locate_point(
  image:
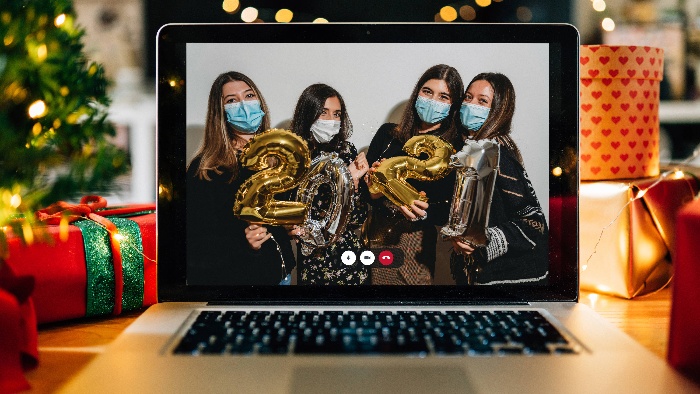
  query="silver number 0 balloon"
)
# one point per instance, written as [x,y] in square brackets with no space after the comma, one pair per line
[330,170]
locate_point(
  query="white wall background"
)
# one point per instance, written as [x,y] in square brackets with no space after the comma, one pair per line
[375,80]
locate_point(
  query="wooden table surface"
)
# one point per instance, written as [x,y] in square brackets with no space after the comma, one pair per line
[66,348]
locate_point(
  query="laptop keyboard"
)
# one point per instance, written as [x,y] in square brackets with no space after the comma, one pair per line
[347,332]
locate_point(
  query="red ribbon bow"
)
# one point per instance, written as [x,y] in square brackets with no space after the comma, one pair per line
[54,213]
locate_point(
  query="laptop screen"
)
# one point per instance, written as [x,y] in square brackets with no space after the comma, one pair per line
[367,162]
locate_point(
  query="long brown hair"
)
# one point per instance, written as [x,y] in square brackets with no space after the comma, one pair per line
[217,151]
[309,108]
[498,124]
[408,126]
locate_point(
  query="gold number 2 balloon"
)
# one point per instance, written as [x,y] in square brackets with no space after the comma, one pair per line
[390,177]
[254,200]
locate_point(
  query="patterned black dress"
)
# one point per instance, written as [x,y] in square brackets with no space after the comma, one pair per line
[323,266]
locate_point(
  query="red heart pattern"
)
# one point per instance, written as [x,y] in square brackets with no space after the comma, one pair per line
[617,107]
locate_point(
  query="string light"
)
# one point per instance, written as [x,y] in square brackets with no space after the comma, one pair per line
[284,15]
[37,109]
[231,6]
[524,14]
[608,24]
[448,13]
[599,5]
[467,12]
[60,20]
[249,14]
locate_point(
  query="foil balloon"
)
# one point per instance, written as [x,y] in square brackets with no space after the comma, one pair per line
[390,177]
[477,168]
[282,159]
[321,229]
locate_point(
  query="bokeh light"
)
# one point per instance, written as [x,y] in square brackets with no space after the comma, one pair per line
[599,5]
[557,171]
[284,15]
[467,12]
[608,24]
[524,14]
[483,3]
[448,13]
[231,6]
[37,109]
[60,20]
[320,20]
[249,14]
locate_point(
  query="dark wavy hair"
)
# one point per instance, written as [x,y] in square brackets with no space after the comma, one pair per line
[217,151]
[448,130]
[308,109]
[498,124]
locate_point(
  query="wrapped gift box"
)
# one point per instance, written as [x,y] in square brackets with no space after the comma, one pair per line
[74,272]
[684,341]
[619,111]
[627,233]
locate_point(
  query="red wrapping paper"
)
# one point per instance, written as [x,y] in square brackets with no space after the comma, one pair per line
[60,272]
[684,341]
[18,332]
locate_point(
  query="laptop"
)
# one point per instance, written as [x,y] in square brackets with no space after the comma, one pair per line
[374,67]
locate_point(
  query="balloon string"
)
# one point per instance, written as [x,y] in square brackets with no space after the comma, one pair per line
[664,175]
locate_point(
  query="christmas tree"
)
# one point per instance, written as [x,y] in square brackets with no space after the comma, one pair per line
[53,107]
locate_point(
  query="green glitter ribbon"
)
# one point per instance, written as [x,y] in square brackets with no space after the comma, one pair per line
[100,272]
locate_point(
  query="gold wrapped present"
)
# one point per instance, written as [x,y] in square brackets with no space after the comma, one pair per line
[627,232]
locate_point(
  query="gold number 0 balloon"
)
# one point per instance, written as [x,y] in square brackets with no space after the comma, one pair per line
[390,177]
[254,200]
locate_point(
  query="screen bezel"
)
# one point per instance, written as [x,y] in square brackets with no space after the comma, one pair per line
[563,43]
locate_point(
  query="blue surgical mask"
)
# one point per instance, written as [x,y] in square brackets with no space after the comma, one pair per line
[473,116]
[244,116]
[431,111]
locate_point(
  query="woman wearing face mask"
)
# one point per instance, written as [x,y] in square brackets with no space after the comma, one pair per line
[222,249]
[433,109]
[321,119]
[517,248]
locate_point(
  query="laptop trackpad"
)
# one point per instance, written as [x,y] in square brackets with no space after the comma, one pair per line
[382,379]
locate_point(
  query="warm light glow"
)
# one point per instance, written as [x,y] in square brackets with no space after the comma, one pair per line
[231,6]
[524,14]
[608,24]
[448,13]
[284,15]
[320,20]
[483,3]
[249,14]
[678,174]
[599,5]
[41,52]
[28,233]
[64,91]
[119,237]
[60,20]
[172,83]
[37,109]
[584,267]
[15,201]
[63,229]
[641,194]
[36,129]
[593,299]
[467,12]
[556,171]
